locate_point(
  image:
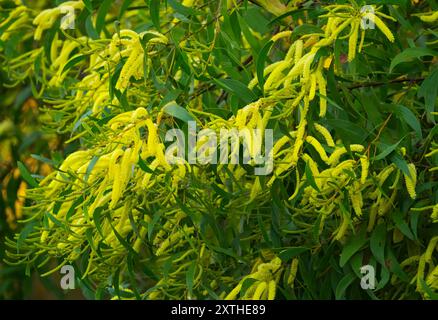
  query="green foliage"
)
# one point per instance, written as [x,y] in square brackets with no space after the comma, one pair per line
[355,150]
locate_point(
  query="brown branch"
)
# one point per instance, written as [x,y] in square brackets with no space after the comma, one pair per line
[377,84]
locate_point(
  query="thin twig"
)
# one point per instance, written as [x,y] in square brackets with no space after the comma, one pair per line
[377,84]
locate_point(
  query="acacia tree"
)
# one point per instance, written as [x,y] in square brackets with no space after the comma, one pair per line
[348,90]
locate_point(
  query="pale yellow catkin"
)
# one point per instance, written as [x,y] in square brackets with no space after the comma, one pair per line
[298,50]
[293,272]
[276,74]
[299,140]
[312,164]
[434,215]
[430,18]
[282,34]
[272,290]
[411,181]
[430,249]
[365,164]
[420,273]
[308,59]
[325,133]
[115,194]
[261,287]
[335,156]
[322,85]
[233,294]
[343,228]
[352,41]
[381,25]
[356,200]
[362,40]
[312,90]
[318,147]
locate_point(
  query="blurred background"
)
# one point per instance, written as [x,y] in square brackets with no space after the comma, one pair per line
[21,138]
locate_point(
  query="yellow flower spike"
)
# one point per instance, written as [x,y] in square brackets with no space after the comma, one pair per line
[66,50]
[47,18]
[328,26]
[127,70]
[365,164]
[241,117]
[15,26]
[298,99]
[411,181]
[272,288]
[113,160]
[318,147]
[280,35]
[124,217]
[125,166]
[233,294]
[299,140]
[335,32]
[17,12]
[261,287]
[328,62]
[266,71]
[298,51]
[266,117]
[54,48]
[362,40]
[294,72]
[356,200]
[138,144]
[352,42]
[433,152]
[276,74]
[325,133]
[305,109]
[434,215]
[255,118]
[312,39]
[291,52]
[139,113]
[343,228]
[372,217]
[152,136]
[322,85]
[308,59]
[332,25]
[100,100]
[256,188]
[145,182]
[312,164]
[386,204]
[380,24]
[312,90]
[384,174]
[335,156]
[430,249]
[298,185]
[432,278]
[116,191]
[420,273]
[293,272]
[409,261]
[279,144]
[429,17]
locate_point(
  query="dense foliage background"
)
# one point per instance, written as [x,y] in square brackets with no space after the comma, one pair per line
[86,103]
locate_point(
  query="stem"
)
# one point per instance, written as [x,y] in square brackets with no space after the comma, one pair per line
[377,84]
